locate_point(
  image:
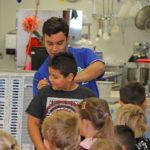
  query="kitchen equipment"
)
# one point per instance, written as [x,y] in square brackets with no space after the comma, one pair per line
[142,18]
[140,50]
[10,42]
[115,27]
[106,28]
[99,30]
[106,19]
[104,88]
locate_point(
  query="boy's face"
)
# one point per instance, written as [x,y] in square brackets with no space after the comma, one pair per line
[58,81]
[55,43]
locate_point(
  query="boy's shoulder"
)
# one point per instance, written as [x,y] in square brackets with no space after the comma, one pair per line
[85,90]
[44,90]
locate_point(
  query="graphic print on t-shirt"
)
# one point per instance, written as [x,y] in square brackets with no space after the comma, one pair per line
[59,104]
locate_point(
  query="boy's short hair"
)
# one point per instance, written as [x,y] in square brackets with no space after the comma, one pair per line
[65,63]
[55,25]
[8,142]
[106,144]
[132,93]
[134,117]
[61,130]
[125,136]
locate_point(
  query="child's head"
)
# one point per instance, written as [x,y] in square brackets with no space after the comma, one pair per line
[106,144]
[65,63]
[125,136]
[134,117]
[61,131]
[63,69]
[132,93]
[8,142]
[95,116]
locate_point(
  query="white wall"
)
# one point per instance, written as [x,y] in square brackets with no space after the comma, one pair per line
[116,50]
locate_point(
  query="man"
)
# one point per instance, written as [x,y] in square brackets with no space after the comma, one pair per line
[56,39]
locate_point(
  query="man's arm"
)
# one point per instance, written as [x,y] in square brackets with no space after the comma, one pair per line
[93,71]
[34,132]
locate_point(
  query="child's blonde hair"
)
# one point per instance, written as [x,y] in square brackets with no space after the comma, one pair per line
[106,144]
[8,142]
[134,117]
[61,130]
[97,111]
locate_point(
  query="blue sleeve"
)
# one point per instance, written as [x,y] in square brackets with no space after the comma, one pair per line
[37,77]
[91,57]
[85,57]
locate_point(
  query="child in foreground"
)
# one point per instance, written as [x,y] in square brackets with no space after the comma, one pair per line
[134,117]
[96,121]
[8,142]
[61,131]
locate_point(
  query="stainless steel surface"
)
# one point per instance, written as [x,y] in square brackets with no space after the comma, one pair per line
[142,18]
[136,73]
[110,75]
[75,27]
[114,74]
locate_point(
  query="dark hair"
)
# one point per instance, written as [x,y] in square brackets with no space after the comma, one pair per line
[65,63]
[55,25]
[125,136]
[132,93]
[97,111]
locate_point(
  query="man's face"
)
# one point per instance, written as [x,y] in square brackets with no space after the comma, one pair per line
[56,43]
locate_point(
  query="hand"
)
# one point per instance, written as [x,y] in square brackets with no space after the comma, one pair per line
[42,83]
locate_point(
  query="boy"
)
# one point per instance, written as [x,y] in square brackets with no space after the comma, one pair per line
[125,136]
[61,131]
[134,93]
[56,39]
[63,94]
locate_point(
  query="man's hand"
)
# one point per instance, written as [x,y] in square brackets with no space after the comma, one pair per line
[42,83]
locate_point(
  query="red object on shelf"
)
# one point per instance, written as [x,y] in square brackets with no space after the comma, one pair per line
[34,42]
[144,60]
